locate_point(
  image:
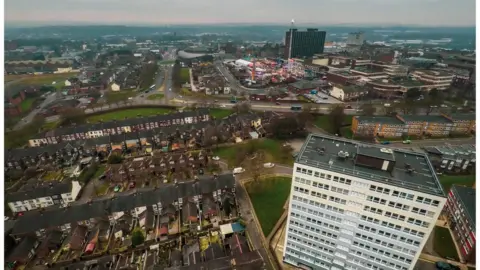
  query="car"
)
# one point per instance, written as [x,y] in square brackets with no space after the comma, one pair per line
[268,165]
[215,101]
[238,170]
[348,107]
[444,106]
[216,158]
[223,106]
[131,185]
[407,142]
[446,266]
[277,103]
[387,105]
[385,142]
[396,101]
[130,98]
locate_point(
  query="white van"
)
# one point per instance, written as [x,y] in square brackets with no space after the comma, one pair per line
[387,105]
[238,170]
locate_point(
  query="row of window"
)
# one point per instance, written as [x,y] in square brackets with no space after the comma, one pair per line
[316,213]
[309,251]
[305,258]
[317,204]
[324,176]
[391,265]
[381,251]
[321,240]
[423,212]
[318,222]
[418,222]
[382,243]
[312,237]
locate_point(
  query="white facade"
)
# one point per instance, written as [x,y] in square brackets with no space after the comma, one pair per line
[338,221]
[337,93]
[243,63]
[43,202]
[115,87]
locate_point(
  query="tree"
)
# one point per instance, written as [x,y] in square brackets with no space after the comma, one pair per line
[74,115]
[413,93]
[137,237]
[336,116]
[114,159]
[286,128]
[242,108]
[368,109]
[255,166]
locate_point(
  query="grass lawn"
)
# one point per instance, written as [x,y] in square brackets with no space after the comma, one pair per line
[26,104]
[128,113]
[323,122]
[184,75]
[50,125]
[100,171]
[272,148]
[41,79]
[220,113]
[155,96]
[443,243]
[122,95]
[268,197]
[448,180]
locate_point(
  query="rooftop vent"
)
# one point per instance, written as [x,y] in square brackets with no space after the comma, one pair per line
[386,150]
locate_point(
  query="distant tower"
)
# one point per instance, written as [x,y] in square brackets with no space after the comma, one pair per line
[253,70]
[292,26]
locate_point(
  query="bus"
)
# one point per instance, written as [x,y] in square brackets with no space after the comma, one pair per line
[296,108]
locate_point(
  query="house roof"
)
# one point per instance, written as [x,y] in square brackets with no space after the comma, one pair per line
[20,252]
[121,202]
[78,236]
[214,251]
[379,119]
[39,191]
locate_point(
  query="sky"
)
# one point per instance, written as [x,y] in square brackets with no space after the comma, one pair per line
[160,12]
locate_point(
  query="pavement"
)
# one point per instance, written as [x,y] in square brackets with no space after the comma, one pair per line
[31,115]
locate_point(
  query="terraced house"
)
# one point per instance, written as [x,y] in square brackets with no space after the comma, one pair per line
[126,207]
[414,125]
[118,127]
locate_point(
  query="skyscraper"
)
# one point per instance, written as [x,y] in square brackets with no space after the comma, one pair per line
[359,206]
[304,43]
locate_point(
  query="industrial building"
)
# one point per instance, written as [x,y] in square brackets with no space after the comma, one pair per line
[359,206]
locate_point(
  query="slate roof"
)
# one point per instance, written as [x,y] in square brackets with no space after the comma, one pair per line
[39,191]
[34,220]
[20,252]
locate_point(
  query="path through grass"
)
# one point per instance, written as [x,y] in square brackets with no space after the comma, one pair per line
[268,197]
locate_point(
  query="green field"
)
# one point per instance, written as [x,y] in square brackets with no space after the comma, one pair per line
[220,113]
[41,79]
[26,104]
[443,243]
[184,75]
[268,197]
[448,180]
[120,96]
[128,113]
[323,122]
[274,152]
[155,96]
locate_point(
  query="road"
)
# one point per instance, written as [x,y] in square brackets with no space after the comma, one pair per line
[27,119]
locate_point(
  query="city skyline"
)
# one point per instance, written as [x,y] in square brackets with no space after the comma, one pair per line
[330,12]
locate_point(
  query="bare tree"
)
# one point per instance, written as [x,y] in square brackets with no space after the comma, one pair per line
[255,166]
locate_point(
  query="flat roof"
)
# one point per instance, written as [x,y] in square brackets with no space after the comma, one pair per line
[367,70]
[379,119]
[425,118]
[466,196]
[322,152]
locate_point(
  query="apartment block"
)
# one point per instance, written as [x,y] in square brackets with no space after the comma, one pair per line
[460,208]
[359,206]
[414,125]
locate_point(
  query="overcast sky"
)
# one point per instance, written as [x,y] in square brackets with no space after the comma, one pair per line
[332,12]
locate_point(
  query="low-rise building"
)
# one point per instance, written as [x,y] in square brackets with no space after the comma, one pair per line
[452,157]
[414,125]
[43,195]
[434,78]
[460,209]
[347,93]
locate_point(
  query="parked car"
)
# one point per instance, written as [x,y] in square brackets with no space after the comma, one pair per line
[407,142]
[238,170]
[446,266]
[385,142]
[216,158]
[268,165]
